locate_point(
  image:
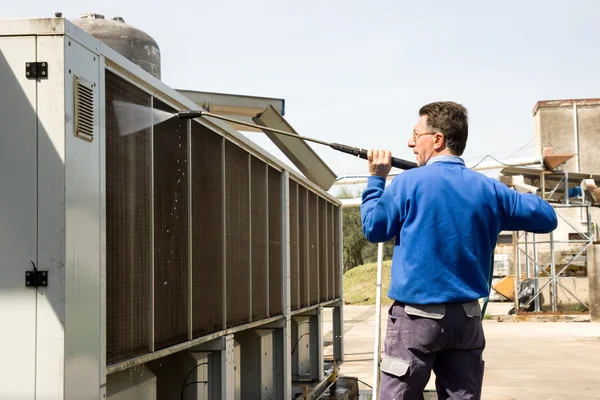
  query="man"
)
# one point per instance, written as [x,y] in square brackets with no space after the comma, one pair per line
[446,220]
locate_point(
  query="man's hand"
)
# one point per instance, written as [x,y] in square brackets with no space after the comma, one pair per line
[380,162]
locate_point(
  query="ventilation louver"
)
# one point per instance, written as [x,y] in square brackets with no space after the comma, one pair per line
[84,109]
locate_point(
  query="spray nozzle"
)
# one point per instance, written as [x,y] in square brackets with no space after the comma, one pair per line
[189,114]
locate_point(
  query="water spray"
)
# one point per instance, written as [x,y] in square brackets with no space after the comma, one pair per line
[355,151]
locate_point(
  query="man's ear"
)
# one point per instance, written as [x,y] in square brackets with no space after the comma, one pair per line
[439,141]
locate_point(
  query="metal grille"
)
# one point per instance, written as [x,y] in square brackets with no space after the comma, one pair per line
[275,264]
[128,252]
[207,231]
[323,264]
[313,249]
[303,244]
[259,239]
[294,253]
[84,109]
[171,240]
[336,253]
[237,255]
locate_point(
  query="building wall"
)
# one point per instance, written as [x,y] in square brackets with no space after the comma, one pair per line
[554,126]
[556,130]
[588,120]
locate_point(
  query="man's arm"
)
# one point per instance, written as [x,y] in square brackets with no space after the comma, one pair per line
[379,213]
[526,211]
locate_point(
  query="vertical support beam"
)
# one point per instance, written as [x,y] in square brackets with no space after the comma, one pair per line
[576,136]
[316,345]
[325,249]
[152,245]
[286,276]
[250,235]
[102,139]
[593,267]
[318,280]
[267,261]
[536,281]
[338,332]
[307,245]
[553,272]
[298,249]
[543,181]
[190,252]
[527,266]
[516,268]
[340,271]
[228,371]
[566,188]
[224,232]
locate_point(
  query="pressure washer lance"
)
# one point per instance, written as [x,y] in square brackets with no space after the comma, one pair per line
[355,151]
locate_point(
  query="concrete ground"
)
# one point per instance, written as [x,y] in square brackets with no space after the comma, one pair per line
[524,360]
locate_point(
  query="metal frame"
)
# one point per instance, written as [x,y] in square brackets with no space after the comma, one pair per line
[554,275]
[85,372]
[152,245]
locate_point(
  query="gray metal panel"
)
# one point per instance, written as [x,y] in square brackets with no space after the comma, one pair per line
[51,220]
[316,345]
[18,201]
[102,140]
[82,309]
[39,26]
[298,151]
[236,106]
[137,384]
[286,293]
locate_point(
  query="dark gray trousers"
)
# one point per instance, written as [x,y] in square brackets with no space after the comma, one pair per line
[449,342]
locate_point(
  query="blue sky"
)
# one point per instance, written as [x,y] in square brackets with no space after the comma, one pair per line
[357,72]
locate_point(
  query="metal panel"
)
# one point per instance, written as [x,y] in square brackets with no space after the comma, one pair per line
[240,107]
[331,250]
[82,269]
[170,231]
[128,255]
[338,270]
[138,384]
[294,247]
[259,239]
[303,245]
[102,142]
[323,264]
[18,201]
[50,354]
[316,345]
[275,259]
[313,248]
[297,150]
[286,337]
[207,228]
[238,235]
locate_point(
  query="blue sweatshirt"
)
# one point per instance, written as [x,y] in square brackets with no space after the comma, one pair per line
[446,220]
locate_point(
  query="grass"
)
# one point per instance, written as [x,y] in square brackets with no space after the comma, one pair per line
[359,284]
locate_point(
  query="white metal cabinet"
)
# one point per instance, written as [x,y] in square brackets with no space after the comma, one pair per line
[18,208]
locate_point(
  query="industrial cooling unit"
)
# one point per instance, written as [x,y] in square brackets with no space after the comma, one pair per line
[177,260]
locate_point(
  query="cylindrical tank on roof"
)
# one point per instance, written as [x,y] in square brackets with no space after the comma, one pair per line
[130,42]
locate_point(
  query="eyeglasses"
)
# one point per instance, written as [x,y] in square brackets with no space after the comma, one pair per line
[416,135]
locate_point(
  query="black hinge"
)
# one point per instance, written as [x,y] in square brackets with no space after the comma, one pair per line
[36,278]
[36,70]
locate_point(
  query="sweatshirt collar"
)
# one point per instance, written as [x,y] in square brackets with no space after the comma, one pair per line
[446,158]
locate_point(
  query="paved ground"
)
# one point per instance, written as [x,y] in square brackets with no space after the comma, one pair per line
[524,360]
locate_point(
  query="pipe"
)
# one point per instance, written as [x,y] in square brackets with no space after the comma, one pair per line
[355,151]
[576,136]
[377,345]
